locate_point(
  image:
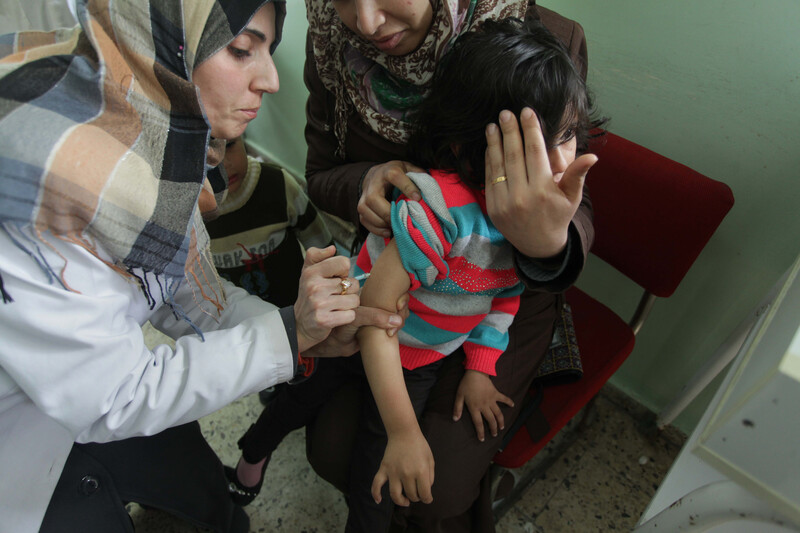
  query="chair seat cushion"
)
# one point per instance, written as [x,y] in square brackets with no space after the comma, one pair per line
[605,342]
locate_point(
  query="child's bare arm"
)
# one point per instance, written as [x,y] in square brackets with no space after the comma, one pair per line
[407,462]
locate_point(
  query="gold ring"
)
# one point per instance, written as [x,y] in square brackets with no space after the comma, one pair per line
[499,179]
[345,284]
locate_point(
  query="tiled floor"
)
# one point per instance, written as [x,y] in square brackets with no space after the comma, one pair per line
[603,481]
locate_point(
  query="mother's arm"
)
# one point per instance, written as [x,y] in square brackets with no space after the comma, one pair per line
[333,183]
[558,273]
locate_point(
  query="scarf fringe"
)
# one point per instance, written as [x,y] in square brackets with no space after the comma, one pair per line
[144,286]
[167,290]
[178,311]
[91,247]
[7,299]
[37,256]
[218,299]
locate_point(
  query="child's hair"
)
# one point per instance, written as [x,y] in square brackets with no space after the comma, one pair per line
[508,64]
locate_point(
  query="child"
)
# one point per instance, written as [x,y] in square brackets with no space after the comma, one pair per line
[257,230]
[262,221]
[459,269]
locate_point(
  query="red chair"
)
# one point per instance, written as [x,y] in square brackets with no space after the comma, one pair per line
[652,218]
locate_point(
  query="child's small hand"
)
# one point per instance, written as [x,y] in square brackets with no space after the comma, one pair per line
[478,392]
[408,467]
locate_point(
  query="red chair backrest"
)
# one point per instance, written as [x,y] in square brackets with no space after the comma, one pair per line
[653,215]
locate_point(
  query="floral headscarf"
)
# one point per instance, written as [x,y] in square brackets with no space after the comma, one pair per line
[102,135]
[383,89]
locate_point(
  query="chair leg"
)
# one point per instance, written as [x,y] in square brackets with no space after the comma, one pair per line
[503,482]
[588,414]
[502,476]
[503,497]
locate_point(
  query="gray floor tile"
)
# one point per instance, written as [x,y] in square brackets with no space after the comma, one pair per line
[516,522]
[593,498]
[615,441]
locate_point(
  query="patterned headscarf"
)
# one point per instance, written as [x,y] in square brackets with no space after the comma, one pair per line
[384,89]
[102,135]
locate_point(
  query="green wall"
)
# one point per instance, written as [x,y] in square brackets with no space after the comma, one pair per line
[712,84]
[278,130]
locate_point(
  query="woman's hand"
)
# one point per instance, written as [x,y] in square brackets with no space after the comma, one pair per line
[534,206]
[477,391]
[342,340]
[374,209]
[408,467]
[321,304]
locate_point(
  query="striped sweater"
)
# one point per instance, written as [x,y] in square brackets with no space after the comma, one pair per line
[464,289]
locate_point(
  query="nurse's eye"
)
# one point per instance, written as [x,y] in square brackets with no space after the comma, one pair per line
[239,53]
